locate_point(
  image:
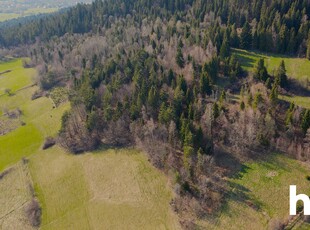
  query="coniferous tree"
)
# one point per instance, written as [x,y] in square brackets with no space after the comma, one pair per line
[255,42]
[242,105]
[274,93]
[268,83]
[305,122]
[179,58]
[211,68]
[234,39]
[225,49]
[308,49]
[215,111]
[204,85]
[246,37]
[289,115]
[222,97]
[281,75]
[258,99]
[152,97]
[261,71]
[250,100]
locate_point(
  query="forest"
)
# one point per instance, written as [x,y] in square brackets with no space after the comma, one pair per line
[163,76]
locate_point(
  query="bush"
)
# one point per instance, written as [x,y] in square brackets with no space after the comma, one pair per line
[49,142]
[37,94]
[33,213]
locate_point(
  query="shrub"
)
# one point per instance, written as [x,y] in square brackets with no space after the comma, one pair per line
[49,142]
[37,94]
[33,213]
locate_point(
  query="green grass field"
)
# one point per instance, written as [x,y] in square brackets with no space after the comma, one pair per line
[8,16]
[40,119]
[297,100]
[117,189]
[297,68]
[32,11]
[260,194]
[13,80]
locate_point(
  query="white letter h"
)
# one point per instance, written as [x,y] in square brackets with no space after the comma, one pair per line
[294,198]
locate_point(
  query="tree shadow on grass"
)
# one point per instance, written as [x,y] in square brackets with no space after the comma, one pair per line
[298,88]
[248,60]
[117,149]
[241,194]
[231,164]
[235,191]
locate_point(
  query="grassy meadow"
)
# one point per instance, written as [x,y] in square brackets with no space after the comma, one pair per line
[298,100]
[8,16]
[117,189]
[12,80]
[28,12]
[39,118]
[297,68]
[259,194]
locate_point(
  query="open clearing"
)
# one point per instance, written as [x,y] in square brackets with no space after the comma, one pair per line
[114,189]
[297,100]
[28,12]
[17,77]
[297,68]
[260,194]
[8,16]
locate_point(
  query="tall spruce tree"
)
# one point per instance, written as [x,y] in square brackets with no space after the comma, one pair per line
[246,36]
[261,71]
[281,75]
[179,58]
[308,49]
[305,122]
[225,49]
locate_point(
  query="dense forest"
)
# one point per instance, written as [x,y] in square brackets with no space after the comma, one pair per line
[161,75]
[279,26]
